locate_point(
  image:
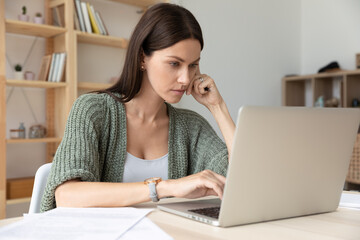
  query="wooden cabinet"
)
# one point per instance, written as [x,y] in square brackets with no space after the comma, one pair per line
[59,96]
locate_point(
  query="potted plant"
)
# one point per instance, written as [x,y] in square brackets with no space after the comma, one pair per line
[18,72]
[38,18]
[23,16]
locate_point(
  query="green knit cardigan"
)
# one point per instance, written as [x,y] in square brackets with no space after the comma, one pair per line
[93,148]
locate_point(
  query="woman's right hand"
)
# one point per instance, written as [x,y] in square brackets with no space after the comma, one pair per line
[205,183]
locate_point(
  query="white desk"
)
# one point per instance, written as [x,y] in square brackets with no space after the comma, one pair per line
[341,224]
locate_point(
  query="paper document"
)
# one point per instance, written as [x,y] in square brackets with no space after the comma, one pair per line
[145,229]
[350,200]
[75,223]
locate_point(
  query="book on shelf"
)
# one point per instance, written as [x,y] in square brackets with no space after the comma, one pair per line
[52,66]
[102,26]
[57,67]
[76,21]
[58,16]
[44,67]
[80,15]
[86,17]
[89,19]
[93,22]
[60,73]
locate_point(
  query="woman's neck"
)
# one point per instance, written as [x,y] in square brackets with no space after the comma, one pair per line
[146,105]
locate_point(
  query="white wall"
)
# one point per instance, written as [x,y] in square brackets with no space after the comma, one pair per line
[330,31]
[249,46]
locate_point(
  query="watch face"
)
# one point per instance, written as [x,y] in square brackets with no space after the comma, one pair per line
[153,180]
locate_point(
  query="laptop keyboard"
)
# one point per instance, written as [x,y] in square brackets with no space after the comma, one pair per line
[210,212]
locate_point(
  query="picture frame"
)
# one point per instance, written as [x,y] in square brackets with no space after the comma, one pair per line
[358,60]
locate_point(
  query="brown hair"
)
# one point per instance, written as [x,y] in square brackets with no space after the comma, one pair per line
[162,26]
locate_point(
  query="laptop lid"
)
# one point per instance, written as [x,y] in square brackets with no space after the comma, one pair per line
[287,162]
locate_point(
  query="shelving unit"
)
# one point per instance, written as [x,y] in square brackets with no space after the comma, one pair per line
[305,90]
[59,96]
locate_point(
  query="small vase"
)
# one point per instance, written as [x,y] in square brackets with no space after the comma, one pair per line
[38,20]
[23,17]
[19,75]
[29,75]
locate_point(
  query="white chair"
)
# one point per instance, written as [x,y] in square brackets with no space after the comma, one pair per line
[39,187]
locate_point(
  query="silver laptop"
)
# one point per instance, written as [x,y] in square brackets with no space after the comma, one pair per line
[285,162]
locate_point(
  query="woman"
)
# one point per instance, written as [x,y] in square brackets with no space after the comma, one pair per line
[118,138]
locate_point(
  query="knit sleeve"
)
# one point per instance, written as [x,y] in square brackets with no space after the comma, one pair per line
[77,155]
[207,150]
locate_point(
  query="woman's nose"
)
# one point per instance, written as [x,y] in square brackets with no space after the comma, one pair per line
[185,78]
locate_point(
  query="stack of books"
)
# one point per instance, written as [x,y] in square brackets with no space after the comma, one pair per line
[87,19]
[52,67]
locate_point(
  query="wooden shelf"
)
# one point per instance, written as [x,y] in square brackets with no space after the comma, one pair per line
[32,29]
[139,3]
[33,140]
[34,84]
[93,86]
[102,40]
[19,187]
[323,75]
[18,200]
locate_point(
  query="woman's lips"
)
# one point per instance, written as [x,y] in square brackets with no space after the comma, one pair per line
[179,92]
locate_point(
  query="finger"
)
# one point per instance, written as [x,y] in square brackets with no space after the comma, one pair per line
[206,84]
[214,177]
[197,84]
[216,188]
[204,88]
[210,192]
[191,85]
[221,178]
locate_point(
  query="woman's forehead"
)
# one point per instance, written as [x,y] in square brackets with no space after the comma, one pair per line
[187,50]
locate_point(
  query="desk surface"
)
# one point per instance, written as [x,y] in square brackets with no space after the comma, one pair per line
[341,224]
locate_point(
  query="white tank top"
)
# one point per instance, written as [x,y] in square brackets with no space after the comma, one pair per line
[137,169]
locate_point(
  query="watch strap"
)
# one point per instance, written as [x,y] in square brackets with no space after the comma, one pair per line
[153,193]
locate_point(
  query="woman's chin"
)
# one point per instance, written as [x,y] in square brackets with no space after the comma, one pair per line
[172,100]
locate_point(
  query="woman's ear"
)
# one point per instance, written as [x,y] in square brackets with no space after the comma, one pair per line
[142,61]
[142,56]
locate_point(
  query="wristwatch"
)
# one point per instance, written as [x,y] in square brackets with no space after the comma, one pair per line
[152,182]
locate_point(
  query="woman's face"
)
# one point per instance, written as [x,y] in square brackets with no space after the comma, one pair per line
[170,70]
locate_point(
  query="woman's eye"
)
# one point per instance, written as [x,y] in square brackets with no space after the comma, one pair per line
[174,64]
[193,65]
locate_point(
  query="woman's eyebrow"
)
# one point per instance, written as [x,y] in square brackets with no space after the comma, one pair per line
[182,60]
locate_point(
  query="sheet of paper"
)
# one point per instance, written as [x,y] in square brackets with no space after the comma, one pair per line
[350,200]
[75,223]
[145,229]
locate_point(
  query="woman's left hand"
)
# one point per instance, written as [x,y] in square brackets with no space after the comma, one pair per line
[203,89]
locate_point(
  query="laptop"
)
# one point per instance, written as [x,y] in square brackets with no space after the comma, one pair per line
[285,162]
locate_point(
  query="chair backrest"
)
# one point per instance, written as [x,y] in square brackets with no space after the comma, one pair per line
[39,187]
